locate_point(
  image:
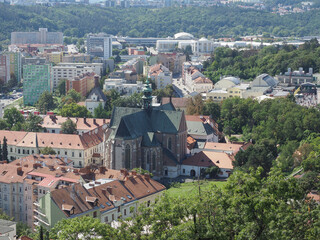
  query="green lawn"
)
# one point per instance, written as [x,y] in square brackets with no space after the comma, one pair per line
[186,189]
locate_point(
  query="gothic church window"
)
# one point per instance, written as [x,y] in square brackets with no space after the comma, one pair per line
[127,157]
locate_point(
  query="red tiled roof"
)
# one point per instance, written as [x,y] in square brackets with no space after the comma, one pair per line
[201,80]
[177,102]
[223,146]
[13,174]
[46,159]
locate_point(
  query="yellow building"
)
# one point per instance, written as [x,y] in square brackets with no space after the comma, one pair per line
[55,57]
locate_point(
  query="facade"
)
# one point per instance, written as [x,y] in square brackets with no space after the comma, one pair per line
[54,57]
[151,138]
[12,194]
[4,69]
[76,58]
[83,83]
[121,86]
[172,61]
[202,84]
[295,78]
[41,37]
[72,70]
[105,199]
[160,75]
[99,45]
[95,98]
[78,148]
[36,80]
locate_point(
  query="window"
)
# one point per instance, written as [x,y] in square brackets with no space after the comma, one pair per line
[19,151]
[106,219]
[127,157]
[80,164]
[10,149]
[112,217]
[169,143]
[80,154]
[53,131]
[125,212]
[72,154]
[94,214]
[65,153]
[44,192]
[153,161]
[183,170]
[118,209]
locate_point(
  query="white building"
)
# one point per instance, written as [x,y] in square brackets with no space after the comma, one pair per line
[99,45]
[121,86]
[182,40]
[94,99]
[72,70]
[160,75]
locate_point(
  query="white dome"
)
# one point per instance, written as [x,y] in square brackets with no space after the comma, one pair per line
[183,36]
[203,39]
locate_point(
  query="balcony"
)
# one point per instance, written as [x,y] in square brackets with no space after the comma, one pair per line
[36,204]
[42,221]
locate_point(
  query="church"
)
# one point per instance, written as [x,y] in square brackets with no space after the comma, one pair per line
[151,138]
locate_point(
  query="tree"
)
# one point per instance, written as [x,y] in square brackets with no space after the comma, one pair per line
[69,127]
[117,59]
[82,228]
[62,87]
[212,171]
[195,105]
[4,216]
[13,117]
[45,102]
[47,151]
[41,233]
[5,149]
[72,97]
[4,125]
[212,109]
[74,110]
[23,229]
[13,81]
[99,112]
[33,124]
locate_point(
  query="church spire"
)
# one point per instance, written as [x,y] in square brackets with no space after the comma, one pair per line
[147,98]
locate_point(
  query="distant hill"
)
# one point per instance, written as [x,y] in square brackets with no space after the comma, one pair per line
[141,22]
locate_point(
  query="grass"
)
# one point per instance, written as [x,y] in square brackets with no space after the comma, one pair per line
[189,188]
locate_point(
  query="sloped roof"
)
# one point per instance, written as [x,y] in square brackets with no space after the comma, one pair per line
[132,123]
[208,159]
[12,174]
[177,102]
[149,140]
[203,80]
[97,91]
[199,128]
[47,159]
[264,80]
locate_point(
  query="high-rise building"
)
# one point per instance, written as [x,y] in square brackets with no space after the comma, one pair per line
[41,37]
[4,69]
[36,80]
[99,45]
[15,64]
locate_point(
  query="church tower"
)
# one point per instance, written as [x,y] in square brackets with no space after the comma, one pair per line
[147,98]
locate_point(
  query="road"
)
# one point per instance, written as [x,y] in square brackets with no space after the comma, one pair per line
[179,88]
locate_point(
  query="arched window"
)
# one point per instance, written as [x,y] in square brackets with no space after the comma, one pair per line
[169,143]
[148,157]
[153,161]
[127,157]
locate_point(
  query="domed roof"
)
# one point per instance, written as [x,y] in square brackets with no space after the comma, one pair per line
[264,80]
[203,39]
[183,36]
[227,82]
[232,79]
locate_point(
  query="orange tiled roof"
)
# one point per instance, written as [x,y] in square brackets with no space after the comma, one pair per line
[223,146]
[177,102]
[12,174]
[208,159]
[46,159]
[201,80]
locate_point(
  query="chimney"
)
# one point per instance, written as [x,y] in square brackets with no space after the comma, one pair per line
[147,177]
[94,121]
[85,120]
[19,171]
[96,81]
[124,172]
[35,166]
[102,169]
[109,190]
[63,170]
[134,173]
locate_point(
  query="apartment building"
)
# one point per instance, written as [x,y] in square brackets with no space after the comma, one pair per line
[4,69]
[72,70]
[52,123]
[105,199]
[160,75]
[76,58]
[36,80]
[122,86]
[78,148]
[99,45]
[41,37]
[83,83]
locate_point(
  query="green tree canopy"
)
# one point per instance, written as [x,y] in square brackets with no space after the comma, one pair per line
[69,127]
[13,117]
[74,110]
[45,102]
[47,151]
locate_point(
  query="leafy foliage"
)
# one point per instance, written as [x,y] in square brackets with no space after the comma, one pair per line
[47,151]
[45,102]
[69,127]
[74,110]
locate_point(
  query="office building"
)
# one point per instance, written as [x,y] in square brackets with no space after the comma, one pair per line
[99,45]
[41,37]
[36,80]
